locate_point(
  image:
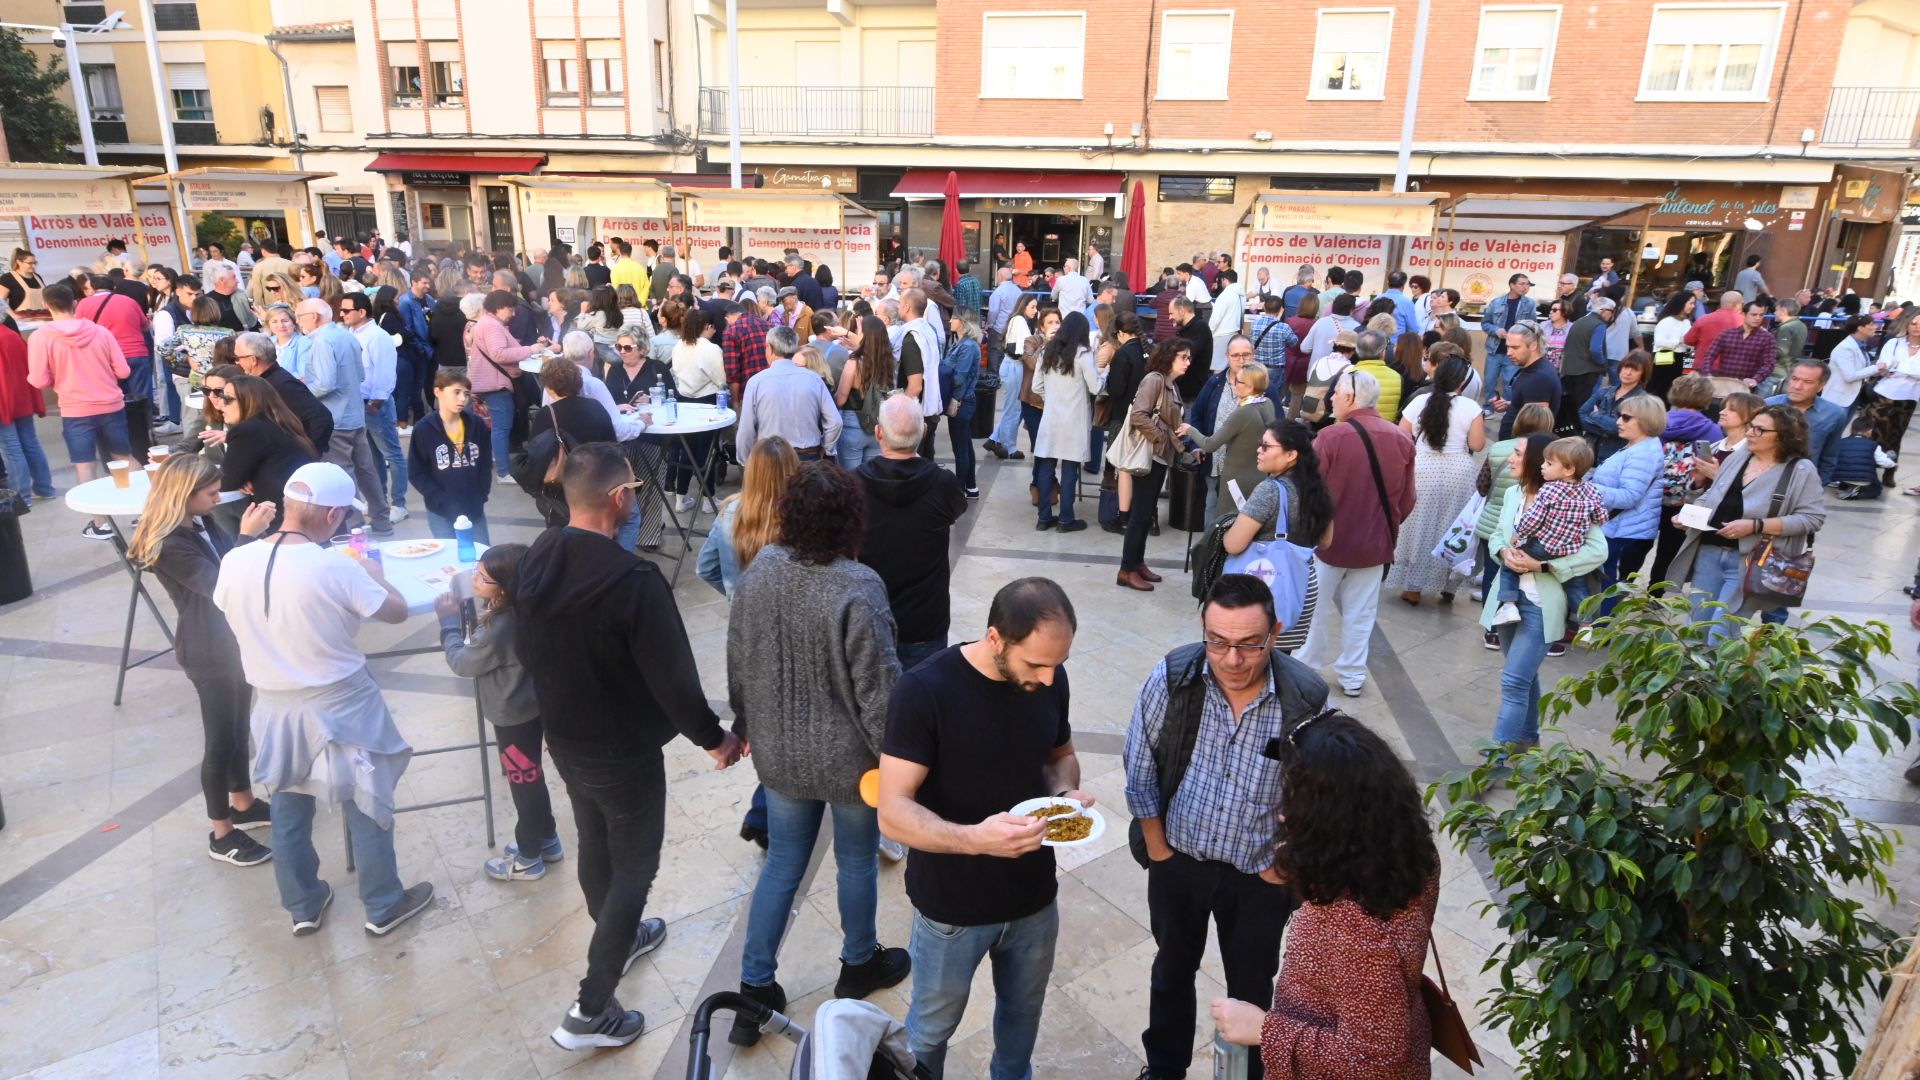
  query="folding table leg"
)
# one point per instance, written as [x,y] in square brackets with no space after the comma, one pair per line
[486,764]
[126,638]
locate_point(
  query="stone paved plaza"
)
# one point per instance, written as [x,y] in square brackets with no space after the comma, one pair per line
[126,952]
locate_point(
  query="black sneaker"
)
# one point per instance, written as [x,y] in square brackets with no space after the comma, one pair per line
[993,447]
[257,816]
[303,927]
[1558,648]
[96,532]
[412,902]
[613,1026]
[237,848]
[1076,525]
[973,493]
[886,967]
[753,834]
[648,938]
[745,1031]
[1490,640]
[1016,455]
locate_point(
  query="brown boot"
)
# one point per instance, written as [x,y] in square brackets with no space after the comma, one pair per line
[1145,573]
[1131,579]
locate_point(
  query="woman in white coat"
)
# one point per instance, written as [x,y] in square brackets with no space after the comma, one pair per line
[1229,312]
[1067,379]
[1849,366]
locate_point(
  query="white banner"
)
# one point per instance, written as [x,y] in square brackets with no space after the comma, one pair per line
[1480,263]
[1284,253]
[705,240]
[851,251]
[64,241]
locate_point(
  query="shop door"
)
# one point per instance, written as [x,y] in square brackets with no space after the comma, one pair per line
[1050,238]
[499,219]
[349,215]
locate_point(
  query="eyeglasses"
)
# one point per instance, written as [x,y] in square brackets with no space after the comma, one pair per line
[1221,648]
[625,348]
[1753,430]
[273,288]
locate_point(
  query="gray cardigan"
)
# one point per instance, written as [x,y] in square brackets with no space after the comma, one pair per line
[1801,514]
[506,691]
[810,666]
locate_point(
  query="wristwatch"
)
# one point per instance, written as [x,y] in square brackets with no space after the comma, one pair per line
[1546,568]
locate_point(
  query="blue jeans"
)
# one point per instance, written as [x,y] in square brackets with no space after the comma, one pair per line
[296,866]
[406,387]
[914,653]
[1525,645]
[792,827]
[383,429]
[1500,368]
[442,527]
[1044,470]
[26,461]
[1096,442]
[855,445]
[172,394]
[88,437]
[960,434]
[500,407]
[944,960]
[1007,431]
[1624,556]
[628,536]
[1717,575]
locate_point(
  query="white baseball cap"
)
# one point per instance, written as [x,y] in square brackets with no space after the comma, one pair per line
[321,483]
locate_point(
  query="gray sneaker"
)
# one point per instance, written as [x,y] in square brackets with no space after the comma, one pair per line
[649,937]
[412,902]
[311,925]
[612,1026]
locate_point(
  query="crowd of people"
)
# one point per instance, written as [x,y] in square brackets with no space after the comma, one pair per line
[1347,443]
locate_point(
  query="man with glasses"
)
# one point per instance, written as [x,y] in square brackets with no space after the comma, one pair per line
[1208,815]
[336,371]
[1503,311]
[257,354]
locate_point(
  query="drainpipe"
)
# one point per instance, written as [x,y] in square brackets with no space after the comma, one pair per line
[286,84]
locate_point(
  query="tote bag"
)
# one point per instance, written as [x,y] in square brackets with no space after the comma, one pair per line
[1286,567]
[1456,546]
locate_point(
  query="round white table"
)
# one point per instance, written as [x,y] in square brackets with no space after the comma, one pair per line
[689,419]
[532,364]
[422,578]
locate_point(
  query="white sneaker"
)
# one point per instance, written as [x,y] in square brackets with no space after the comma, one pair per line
[706,506]
[892,850]
[1479,594]
[166,427]
[1508,613]
[682,504]
[397,513]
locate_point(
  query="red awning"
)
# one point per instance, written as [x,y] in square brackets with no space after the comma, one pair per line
[456,163]
[1010,184]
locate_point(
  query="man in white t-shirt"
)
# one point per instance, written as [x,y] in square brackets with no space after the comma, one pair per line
[320,726]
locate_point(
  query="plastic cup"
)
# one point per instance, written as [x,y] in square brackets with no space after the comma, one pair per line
[151,468]
[121,471]
[158,454]
[344,545]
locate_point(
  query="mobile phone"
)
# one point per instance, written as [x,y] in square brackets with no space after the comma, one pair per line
[1703,448]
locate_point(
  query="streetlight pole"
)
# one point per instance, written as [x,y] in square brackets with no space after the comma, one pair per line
[733,90]
[159,87]
[1403,163]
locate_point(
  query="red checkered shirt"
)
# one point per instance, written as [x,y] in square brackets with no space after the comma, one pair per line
[1736,354]
[743,348]
[1560,516]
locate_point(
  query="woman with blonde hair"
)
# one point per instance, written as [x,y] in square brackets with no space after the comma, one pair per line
[174,542]
[813,360]
[749,520]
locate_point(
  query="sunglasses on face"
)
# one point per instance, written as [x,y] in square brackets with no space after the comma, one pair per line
[218,395]
[625,348]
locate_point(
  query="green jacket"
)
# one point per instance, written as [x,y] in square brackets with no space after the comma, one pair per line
[1553,598]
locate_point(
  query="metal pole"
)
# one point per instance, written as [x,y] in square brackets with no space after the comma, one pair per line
[1405,160]
[82,111]
[733,90]
[160,88]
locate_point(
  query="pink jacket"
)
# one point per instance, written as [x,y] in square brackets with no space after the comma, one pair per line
[121,317]
[492,339]
[82,363]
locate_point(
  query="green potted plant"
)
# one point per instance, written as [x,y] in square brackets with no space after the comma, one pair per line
[1690,921]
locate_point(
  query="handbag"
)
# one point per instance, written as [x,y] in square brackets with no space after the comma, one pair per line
[1457,544]
[1449,1029]
[1131,452]
[1314,399]
[1284,566]
[1774,578]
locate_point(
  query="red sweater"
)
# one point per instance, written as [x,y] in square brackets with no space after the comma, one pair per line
[18,397]
[121,317]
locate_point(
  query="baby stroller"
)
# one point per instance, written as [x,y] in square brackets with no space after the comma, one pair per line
[850,1040]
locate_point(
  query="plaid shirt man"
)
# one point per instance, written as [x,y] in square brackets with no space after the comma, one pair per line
[1737,354]
[1559,518]
[966,293]
[1270,345]
[743,348]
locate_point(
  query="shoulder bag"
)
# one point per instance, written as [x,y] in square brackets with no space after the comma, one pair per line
[1379,484]
[1774,578]
[526,396]
[1448,1027]
[1314,400]
[1284,566]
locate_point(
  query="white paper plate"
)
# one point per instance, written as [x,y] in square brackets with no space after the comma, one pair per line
[1092,812]
[413,549]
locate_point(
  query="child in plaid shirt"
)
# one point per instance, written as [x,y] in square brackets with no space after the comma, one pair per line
[1554,525]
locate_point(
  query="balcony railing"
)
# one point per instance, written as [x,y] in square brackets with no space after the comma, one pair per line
[195,133]
[1873,116]
[110,131]
[826,111]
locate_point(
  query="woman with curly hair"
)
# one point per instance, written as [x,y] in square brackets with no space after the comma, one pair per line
[810,666]
[1356,847]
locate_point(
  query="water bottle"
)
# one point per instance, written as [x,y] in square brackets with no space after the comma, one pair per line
[358,541]
[463,538]
[1229,1060]
[723,400]
[673,408]
[658,391]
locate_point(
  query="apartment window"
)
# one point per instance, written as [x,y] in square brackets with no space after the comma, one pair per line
[191,95]
[1195,47]
[176,16]
[660,75]
[449,73]
[606,74]
[1201,189]
[103,91]
[1515,56]
[1037,55]
[1711,52]
[1350,53]
[560,62]
[335,106]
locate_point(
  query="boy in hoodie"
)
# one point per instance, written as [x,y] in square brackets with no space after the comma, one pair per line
[451,458]
[82,363]
[615,679]
[911,506]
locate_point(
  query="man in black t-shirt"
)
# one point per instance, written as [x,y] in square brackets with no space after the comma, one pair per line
[971,732]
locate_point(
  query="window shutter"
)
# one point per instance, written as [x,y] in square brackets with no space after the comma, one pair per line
[336,108]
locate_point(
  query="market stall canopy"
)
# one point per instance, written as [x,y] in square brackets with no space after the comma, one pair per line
[505,164]
[242,190]
[1362,213]
[34,190]
[591,196]
[1538,213]
[764,209]
[928,184]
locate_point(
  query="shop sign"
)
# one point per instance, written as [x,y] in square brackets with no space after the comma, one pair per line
[850,250]
[753,212]
[21,198]
[594,201]
[1479,264]
[65,241]
[1062,207]
[1869,194]
[1283,253]
[810,178]
[1364,219]
[1687,208]
[246,196]
[418,178]
[1799,196]
[705,241]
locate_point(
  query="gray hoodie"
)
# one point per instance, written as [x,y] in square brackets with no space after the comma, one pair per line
[506,693]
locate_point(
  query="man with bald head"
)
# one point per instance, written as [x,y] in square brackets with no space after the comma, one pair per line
[911,507]
[1709,326]
[335,372]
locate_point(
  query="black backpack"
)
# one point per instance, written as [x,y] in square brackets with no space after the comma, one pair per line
[1210,555]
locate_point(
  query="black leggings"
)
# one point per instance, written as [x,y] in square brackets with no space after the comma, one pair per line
[226,766]
[527,783]
[1146,503]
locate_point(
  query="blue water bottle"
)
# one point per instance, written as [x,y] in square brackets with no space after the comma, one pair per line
[723,400]
[463,538]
